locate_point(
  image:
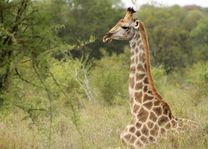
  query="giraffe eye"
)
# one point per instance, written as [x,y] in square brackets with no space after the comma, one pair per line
[125,27]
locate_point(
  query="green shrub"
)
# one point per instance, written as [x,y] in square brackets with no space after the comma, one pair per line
[197,75]
[159,77]
[110,79]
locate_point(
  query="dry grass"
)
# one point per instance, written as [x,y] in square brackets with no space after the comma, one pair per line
[100,125]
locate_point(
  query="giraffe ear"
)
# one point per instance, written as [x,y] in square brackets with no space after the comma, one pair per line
[136,24]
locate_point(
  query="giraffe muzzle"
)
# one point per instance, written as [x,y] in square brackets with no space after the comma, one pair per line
[107,37]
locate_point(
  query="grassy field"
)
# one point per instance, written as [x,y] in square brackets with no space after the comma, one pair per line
[97,124]
[100,126]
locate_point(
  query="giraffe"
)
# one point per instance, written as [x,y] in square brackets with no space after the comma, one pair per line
[151,115]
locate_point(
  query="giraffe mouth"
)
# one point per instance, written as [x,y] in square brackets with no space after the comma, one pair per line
[107,38]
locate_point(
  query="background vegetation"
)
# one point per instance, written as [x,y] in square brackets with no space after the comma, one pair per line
[61,87]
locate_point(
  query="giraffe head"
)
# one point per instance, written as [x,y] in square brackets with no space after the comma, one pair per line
[124,29]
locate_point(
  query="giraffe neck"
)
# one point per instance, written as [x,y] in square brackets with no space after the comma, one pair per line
[151,116]
[140,78]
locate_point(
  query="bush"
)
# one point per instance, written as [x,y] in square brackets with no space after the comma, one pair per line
[159,77]
[110,78]
[197,75]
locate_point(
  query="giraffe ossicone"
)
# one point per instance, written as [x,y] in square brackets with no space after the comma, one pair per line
[151,115]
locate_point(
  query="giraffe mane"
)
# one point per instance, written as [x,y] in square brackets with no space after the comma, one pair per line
[147,55]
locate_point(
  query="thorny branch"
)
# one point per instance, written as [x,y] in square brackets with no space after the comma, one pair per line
[85,84]
[49,98]
[71,104]
[24,80]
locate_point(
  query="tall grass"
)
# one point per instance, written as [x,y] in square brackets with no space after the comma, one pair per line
[97,125]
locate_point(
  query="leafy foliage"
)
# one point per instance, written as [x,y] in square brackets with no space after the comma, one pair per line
[171,31]
[111,82]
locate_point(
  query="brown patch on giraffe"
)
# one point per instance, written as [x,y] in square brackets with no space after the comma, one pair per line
[168,125]
[151,139]
[141,46]
[146,80]
[138,125]
[153,117]
[138,86]
[133,45]
[138,133]
[174,122]
[144,139]
[136,50]
[145,130]
[139,143]
[140,68]
[142,115]
[162,120]
[137,36]
[162,131]
[145,88]
[138,96]
[139,76]
[157,103]
[132,139]
[132,129]
[148,105]
[127,137]
[166,110]
[147,98]
[138,42]
[132,69]
[154,131]
[150,125]
[142,57]
[157,110]
[136,108]
[149,92]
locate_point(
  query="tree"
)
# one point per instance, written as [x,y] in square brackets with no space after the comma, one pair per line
[10,27]
[83,19]
[199,36]
[169,34]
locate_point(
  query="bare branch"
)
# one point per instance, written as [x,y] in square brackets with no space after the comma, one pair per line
[23,79]
[49,99]
[85,84]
